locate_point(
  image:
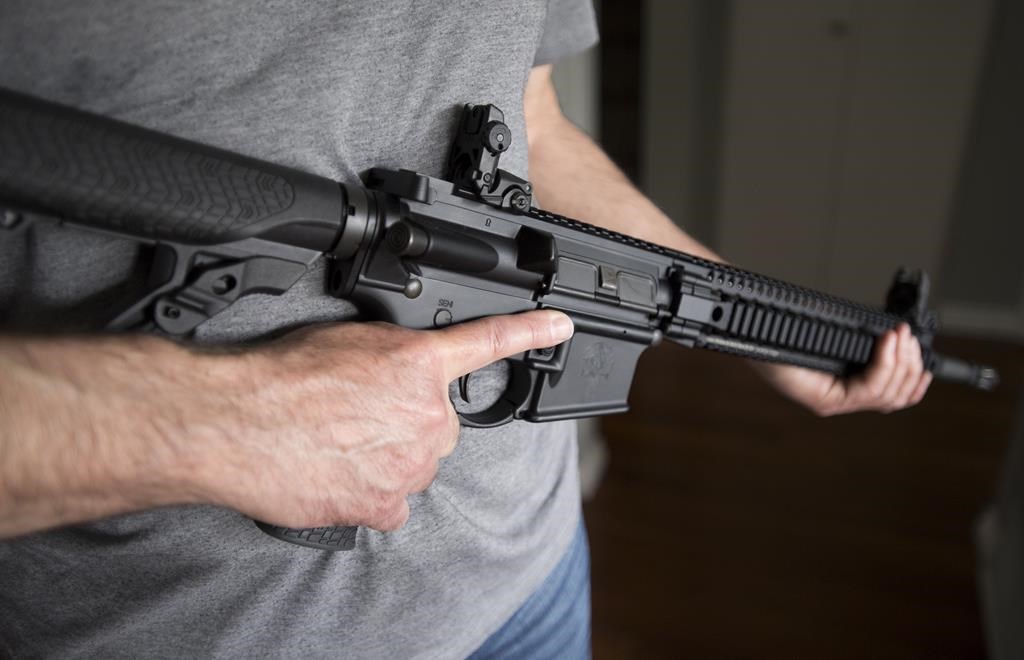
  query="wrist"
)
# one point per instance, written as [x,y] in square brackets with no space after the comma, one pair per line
[203,429]
[190,426]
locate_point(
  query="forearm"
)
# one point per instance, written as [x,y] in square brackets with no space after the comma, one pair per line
[88,429]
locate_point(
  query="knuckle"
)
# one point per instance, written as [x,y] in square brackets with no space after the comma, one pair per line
[404,465]
[899,375]
[886,399]
[827,410]
[861,402]
[874,389]
[449,440]
[383,508]
[425,465]
[454,428]
[399,517]
[426,352]
[426,477]
[540,332]
[420,343]
[497,340]
[437,414]
[892,404]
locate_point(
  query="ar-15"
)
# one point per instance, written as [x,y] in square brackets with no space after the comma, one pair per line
[423,253]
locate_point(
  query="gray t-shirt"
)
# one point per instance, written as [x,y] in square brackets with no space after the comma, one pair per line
[333,88]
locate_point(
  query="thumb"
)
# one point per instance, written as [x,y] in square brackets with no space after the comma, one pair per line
[471,345]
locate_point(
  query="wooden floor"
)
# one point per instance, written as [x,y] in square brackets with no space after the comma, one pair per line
[731,524]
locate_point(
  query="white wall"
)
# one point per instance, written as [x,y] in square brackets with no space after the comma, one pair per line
[838,149]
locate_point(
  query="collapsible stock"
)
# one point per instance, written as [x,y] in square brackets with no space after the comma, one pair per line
[96,171]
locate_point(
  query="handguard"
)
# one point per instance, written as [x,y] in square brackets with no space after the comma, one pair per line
[424,253]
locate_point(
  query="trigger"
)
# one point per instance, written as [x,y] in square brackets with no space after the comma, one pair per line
[464,387]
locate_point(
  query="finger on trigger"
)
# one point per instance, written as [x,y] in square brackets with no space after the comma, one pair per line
[469,346]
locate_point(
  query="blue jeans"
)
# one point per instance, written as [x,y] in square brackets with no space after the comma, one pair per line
[555,621]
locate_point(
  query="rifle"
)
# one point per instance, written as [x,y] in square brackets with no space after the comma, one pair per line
[423,252]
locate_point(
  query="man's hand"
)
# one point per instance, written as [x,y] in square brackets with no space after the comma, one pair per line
[332,424]
[356,417]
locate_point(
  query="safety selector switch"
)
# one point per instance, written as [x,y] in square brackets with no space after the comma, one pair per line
[442,318]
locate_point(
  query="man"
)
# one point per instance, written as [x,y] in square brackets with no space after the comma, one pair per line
[126,463]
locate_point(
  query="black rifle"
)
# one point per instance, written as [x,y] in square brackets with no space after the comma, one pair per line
[424,253]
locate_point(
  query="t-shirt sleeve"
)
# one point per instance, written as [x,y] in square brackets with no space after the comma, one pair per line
[569,28]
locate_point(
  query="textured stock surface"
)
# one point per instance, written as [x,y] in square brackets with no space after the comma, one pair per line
[119,177]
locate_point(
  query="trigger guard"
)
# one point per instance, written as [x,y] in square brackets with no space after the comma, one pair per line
[512,400]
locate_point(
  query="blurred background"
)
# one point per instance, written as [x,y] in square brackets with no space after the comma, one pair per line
[825,142]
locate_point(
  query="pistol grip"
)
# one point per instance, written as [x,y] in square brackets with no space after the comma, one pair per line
[321,538]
